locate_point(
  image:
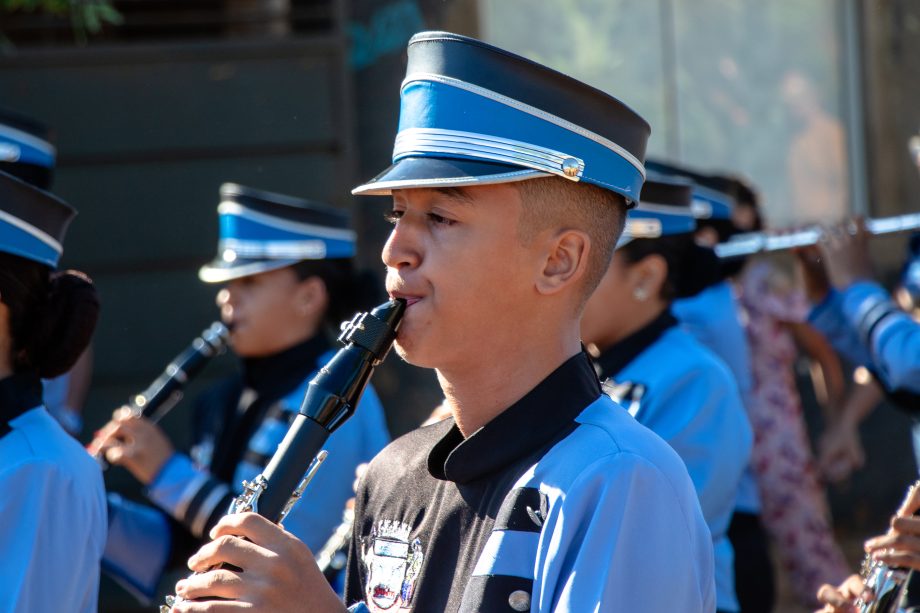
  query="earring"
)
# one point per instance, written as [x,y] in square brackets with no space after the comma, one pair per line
[640,294]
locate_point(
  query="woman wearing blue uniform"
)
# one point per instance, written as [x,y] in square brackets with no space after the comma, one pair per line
[53,504]
[287,269]
[660,373]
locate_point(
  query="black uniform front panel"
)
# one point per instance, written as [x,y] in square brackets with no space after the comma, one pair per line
[430,502]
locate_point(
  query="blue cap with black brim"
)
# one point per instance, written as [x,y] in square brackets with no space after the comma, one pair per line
[32,221]
[262,231]
[712,199]
[26,151]
[474,114]
[664,209]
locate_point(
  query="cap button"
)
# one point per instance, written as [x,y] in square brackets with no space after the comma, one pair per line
[570,167]
[519,600]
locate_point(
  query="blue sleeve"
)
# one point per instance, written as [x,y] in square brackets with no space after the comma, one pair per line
[613,544]
[137,548]
[829,319]
[891,336]
[358,440]
[189,494]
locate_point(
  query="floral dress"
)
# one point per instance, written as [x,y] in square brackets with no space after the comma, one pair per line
[794,510]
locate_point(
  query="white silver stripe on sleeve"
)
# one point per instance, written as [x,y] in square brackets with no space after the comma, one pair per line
[207,508]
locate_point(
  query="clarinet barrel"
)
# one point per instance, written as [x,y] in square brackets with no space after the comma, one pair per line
[166,391]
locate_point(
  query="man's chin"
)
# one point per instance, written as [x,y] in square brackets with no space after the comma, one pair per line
[410,354]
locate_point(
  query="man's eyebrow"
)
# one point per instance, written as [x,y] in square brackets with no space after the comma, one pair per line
[455,193]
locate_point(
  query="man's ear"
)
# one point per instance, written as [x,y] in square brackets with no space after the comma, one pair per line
[566,261]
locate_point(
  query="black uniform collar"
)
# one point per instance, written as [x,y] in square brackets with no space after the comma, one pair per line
[618,355]
[19,393]
[524,427]
[276,371]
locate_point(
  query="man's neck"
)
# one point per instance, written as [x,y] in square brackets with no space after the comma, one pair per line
[479,391]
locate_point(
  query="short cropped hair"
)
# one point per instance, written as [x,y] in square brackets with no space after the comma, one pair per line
[554,202]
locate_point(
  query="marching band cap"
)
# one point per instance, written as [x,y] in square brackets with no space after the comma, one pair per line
[664,209]
[262,231]
[474,114]
[32,221]
[712,198]
[25,149]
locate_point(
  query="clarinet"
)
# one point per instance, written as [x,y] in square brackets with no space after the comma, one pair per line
[166,390]
[888,584]
[332,557]
[331,398]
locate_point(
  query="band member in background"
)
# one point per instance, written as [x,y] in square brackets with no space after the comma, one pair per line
[859,317]
[658,371]
[286,266]
[27,152]
[509,184]
[712,316]
[780,495]
[53,504]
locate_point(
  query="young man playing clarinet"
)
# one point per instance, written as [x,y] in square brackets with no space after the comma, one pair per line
[510,184]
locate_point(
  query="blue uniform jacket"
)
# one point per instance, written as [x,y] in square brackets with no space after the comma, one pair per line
[561,503]
[677,388]
[53,524]
[712,318]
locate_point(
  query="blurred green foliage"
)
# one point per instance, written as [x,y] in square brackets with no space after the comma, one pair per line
[86,17]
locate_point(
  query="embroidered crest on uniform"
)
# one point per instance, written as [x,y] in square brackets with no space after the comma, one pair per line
[627,394]
[392,566]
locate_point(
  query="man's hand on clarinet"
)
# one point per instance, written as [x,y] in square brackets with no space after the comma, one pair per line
[277,572]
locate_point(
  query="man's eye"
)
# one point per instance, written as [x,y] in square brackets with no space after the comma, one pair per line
[440,220]
[393,216]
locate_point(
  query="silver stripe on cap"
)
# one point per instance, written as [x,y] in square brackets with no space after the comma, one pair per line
[301,250]
[530,110]
[485,147]
[642,228]
[28,139]
[30,229]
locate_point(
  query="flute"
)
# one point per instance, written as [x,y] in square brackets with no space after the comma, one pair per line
[331,398]
[762,242]
[166,390]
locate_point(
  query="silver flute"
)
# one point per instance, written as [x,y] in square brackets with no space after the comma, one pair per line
[763,242]
[887,584]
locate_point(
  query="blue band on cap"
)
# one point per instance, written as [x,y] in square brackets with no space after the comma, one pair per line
[710,204]
[20,147]
[254,235]
[447,118]
[649,220]
[23,239]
